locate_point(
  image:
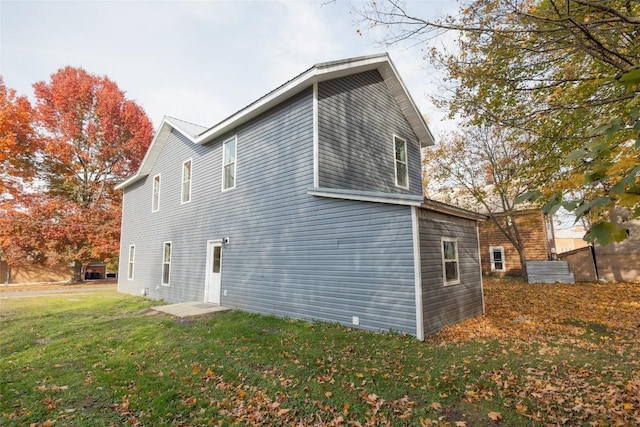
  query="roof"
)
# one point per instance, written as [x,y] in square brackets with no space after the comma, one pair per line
[318,73]
[448,209]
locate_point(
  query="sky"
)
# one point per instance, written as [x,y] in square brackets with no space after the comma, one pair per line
[200,61]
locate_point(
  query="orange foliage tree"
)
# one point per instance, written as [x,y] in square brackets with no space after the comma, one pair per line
[17,142]
[89,136]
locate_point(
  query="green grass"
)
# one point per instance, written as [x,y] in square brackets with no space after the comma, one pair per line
[103,359]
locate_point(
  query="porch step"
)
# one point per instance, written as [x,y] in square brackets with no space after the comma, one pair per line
[191,309]
[549,272]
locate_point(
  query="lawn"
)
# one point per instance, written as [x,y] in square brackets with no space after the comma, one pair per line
[542,355]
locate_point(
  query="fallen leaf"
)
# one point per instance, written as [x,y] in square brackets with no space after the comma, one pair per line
[495,416]
[436,406]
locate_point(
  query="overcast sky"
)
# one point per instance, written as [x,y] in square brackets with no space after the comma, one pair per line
[197,61]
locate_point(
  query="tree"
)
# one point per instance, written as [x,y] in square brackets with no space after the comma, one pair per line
[480,169]
[17,142]
[90,137]
[563,72]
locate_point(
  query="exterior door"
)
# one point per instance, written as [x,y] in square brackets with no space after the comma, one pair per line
[214,270]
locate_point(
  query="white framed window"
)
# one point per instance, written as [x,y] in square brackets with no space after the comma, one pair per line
[229,163]
[450,264]
[155,202]
[186,182]
[132,257]
[166,263]
[402,172]
[496,255]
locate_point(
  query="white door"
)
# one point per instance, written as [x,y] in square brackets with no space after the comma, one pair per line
[214,270]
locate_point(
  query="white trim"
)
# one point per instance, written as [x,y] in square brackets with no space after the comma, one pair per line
[492,259]
[190,161]
[208,265]
[363,198]
[316,136]
[406,162]
[457,261]
[417,271]
[169,263]
[153,193]
[318,73]
[235,163]
[480,268]
[131,262]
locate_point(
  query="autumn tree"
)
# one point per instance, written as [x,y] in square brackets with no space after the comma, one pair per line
[18,144]
[91,137]
[566,73]
[480,169]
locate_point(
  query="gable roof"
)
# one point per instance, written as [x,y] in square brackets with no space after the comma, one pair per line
[318,73]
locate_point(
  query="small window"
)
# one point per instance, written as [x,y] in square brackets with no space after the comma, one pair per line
[155,204]
[496,255]
[132,257]
[450,263]
[402,173]
[229,164]
[186,182]
[166,263]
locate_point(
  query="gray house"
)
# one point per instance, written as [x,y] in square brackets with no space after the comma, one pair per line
[307,204]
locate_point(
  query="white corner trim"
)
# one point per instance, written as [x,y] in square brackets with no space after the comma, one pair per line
[316,170]
[417,268]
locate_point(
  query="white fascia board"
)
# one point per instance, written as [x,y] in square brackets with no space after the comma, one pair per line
[365,196]
[320,72]
[408,106]
[153,151]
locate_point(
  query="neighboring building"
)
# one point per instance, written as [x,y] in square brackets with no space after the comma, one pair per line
[569,239]
[307,204]
[616,262]
[499,256]
[34,273]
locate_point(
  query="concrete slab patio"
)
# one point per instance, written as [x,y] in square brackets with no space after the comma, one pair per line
[191,309]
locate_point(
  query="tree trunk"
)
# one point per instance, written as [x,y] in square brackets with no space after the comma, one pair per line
[77,272]
[523,261]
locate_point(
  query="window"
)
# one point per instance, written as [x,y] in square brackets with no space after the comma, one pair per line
[155,203]
[166,263]
[496,255]
[229,164]
[186,182]
[402,173]
[132,256]
[450,261]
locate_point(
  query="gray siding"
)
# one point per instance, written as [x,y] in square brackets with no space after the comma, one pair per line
[357,118]
[290,254]
[446,305]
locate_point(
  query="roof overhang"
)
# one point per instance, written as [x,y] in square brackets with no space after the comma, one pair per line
[452,210]
[318,73]
[329,71]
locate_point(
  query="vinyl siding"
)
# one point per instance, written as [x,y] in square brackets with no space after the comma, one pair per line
[290,253]
[357,118]
[446,305]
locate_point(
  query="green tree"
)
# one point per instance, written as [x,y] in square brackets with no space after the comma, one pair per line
[565,72]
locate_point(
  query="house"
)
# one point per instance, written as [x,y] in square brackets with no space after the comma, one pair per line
[569,239]
[34,273]
[307,204]
[499,255]
[615,262]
